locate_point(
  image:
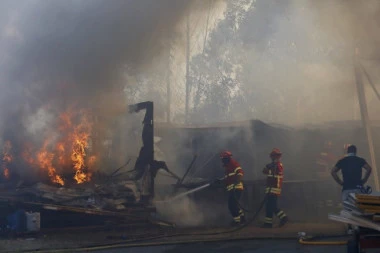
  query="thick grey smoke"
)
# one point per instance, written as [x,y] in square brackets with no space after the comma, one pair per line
[59,55]
[78,49]
[349,25]
[357,22]
[308,60]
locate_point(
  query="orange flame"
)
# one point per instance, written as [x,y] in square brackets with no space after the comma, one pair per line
[27,154]
[6,173]
[45,160]
[72,146]
[61,154]
[7,158]
[64,151]
[80,137]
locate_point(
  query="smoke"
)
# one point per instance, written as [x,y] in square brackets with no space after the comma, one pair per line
[195,211]
[60,55]
[345,26]
[296,60]
[184,212]
[356,22]
[302,72]
[77,50]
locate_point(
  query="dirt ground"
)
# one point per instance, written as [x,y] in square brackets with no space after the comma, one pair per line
[86,239]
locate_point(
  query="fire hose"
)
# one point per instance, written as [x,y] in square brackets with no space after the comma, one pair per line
[134,242]
[321,243]
[145,241]
[314,240]
[205,186]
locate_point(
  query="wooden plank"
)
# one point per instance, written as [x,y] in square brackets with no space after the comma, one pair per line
[368,202]
[373,195]
[367,206]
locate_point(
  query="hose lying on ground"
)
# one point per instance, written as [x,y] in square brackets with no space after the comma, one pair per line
[307,242]
[134,242]
[148,244]
[316,240]
[144,241]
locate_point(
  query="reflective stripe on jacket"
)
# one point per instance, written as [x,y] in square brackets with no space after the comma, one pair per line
[233,169]
[275,177]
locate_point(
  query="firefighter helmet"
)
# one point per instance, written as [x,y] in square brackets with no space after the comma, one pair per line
[225,154]
[275,152]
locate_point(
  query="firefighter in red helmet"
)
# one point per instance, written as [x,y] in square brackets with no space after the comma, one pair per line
[233,176]
[275,173]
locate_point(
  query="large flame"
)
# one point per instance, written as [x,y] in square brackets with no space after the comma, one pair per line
[45,160]
[7,158]
[63,151]
[78,137]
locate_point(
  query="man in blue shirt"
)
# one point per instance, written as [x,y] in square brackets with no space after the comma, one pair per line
[351,167]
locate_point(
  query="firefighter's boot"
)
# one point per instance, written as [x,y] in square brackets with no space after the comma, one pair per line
[267,223]
[236,221]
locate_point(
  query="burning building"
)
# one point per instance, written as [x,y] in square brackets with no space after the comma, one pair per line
[62,80]
[65,71]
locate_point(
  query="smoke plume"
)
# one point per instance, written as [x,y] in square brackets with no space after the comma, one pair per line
[356,22]
[71,56]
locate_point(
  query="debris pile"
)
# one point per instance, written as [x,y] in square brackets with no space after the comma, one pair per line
[112,196]
[99,202]
[361,210]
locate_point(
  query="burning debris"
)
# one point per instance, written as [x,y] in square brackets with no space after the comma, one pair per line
[75,77]
[67,159]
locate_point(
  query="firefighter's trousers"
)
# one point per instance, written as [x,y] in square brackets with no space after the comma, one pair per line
[233,205]
[272,208]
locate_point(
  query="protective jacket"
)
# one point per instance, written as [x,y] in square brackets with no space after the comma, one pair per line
[275,176]
[232,170]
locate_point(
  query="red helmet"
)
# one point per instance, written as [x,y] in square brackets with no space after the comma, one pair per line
[225,154]
[275,152]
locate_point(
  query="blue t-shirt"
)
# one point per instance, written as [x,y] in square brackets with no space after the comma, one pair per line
[351,167]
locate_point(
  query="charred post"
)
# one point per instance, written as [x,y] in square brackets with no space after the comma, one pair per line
[146,167]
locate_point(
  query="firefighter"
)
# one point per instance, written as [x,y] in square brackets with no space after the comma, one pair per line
[275,174]
[233,181]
